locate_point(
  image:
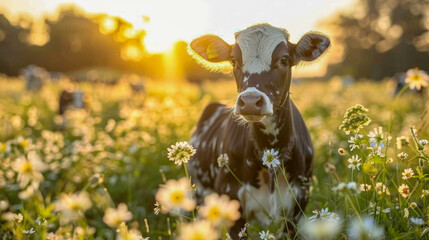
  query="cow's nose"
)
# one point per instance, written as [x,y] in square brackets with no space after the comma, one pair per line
[250,105]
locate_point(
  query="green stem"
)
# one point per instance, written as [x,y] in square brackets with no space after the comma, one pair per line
[247,191]
[185,166]
[283,171]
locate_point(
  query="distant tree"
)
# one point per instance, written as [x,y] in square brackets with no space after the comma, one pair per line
[381,37]
[78,42]
[14,53]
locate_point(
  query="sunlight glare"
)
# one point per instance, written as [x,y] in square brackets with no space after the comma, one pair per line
[108,25]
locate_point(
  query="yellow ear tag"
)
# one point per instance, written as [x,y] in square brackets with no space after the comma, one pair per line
[211,52]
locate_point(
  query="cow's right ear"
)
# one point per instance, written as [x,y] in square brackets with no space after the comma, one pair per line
[212,48]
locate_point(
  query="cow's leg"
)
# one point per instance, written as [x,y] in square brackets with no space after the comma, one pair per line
[236,229]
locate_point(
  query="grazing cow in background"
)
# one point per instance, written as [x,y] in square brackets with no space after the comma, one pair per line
[264,117]
[35,77]
[71,99]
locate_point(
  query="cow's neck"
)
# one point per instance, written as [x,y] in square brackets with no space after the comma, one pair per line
[275,132]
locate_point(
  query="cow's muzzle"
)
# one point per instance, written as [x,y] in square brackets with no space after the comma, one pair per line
[253,105]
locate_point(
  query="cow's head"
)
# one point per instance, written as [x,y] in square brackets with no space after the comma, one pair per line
[262,58]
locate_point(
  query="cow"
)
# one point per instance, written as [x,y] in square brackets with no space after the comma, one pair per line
[35,77]
[264,117]
[71,99]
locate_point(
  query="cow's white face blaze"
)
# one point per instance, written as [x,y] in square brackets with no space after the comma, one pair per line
[262,58]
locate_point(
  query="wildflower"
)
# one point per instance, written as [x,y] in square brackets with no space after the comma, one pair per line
[4,147]
[355,119]
[355,142]
[406,213]
[219,209]
[198,230]
[389,160]
[319,229]
[266,235]
[354,162]
[228,236]
[29,231]
[223,160]
[41,221]
[416,78]
[324,215]
[404,190]
[402,156]
[12,217]
[417,221]
[73,206]
[158,208]
[377,137]
[175,195]
[180,153]
[243,232]
[423,142]
[341,151]
[380,188]
[424,193]
[407,173]
[350,188]
[124,234]
[413,205]
[365,229]
[113,217]
[365,187]
[29,169]
[402,141]
[270,158]
[4,204]
[52,236]
[18,217]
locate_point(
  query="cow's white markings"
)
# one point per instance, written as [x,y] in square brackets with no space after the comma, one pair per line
[257,44]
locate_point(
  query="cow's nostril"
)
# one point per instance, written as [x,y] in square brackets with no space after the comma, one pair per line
[260,102]
[240,102]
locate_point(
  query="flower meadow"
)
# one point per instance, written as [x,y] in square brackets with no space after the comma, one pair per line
[118,169]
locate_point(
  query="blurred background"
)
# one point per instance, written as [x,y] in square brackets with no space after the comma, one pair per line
[371,38]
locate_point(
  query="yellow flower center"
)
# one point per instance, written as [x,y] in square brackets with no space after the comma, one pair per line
[198,236]
[75,207]
[213,213]
[270,158]
[3,147]
[27,168]
[416,78]
[177,197]
[24,143]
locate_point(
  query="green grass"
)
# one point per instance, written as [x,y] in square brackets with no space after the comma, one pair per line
[124,138]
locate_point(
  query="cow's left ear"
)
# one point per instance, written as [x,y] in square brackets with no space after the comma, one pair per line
[310,47]
[212,48]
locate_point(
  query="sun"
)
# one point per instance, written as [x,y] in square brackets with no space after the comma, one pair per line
[165,22]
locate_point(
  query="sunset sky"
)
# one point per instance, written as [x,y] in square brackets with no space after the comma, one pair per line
[172,20]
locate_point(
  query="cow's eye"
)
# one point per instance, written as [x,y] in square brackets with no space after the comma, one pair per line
[284,61]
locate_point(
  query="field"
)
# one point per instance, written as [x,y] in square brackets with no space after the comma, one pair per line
[64,178]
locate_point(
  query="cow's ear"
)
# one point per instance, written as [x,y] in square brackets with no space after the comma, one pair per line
[212,48]
[310,47]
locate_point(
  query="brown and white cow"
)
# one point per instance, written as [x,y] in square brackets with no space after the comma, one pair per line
[71,99]
[262,58]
